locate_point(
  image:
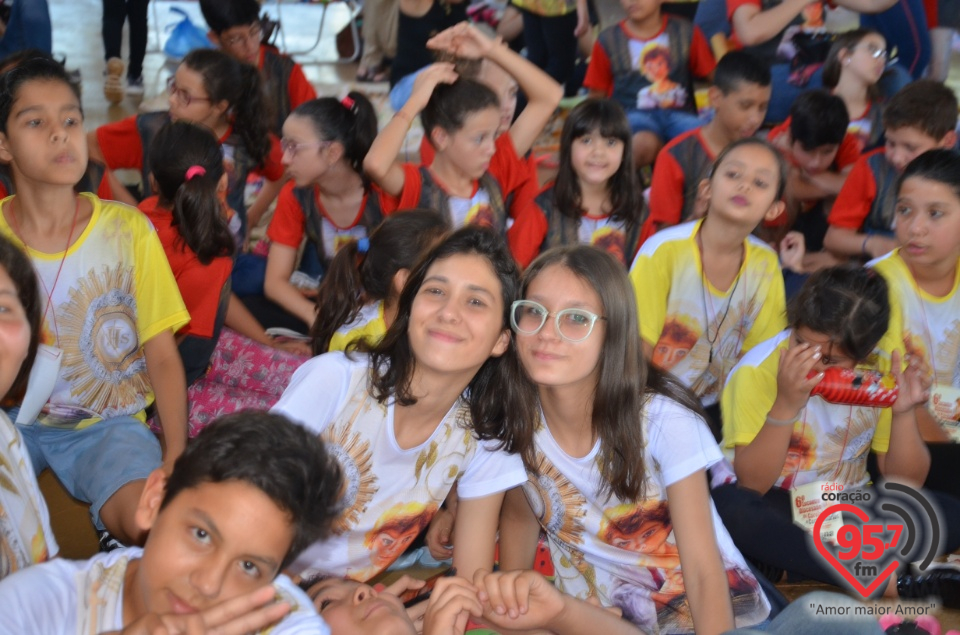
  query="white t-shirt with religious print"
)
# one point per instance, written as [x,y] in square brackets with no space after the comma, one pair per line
[698,332]
[25,535]
[829,442]
[390,493]
[929,327]
[625,553]
[86,596]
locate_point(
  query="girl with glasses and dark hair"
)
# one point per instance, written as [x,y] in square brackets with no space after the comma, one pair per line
[212,89]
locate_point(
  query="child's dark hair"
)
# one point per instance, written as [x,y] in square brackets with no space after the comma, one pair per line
[187,165]
[756,141]
[740,67]
[501,398]
[606,117]
[19,57]
[24,278]
[354,278]
[351,122]
[451,104]
[817,119]
[221,15]
[238,84]
[40,69]
[845,41]
[924,104]
[283,460]
[848,303]
[942,166]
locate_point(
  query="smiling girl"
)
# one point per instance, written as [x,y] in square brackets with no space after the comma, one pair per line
[596,198]
[440,398]
[619,482]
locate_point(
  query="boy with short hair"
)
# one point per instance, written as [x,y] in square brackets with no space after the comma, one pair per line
[247,495]
[820,154]
[739,97]
[921,117]
[235,27]
[647,63]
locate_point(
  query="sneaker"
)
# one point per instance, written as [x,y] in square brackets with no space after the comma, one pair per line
[135,86]
[941,582]
[113,88]
[108,542]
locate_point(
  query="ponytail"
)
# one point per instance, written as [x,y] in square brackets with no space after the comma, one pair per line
[340,297]
[238,84]
[351,122]
[363,271]
[187,165]
[250,114]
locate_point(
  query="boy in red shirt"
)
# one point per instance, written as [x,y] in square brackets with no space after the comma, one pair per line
[921,117]
[739,97]
[235,28]
[647,63]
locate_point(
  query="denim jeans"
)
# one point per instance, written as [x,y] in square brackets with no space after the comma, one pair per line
[29,28]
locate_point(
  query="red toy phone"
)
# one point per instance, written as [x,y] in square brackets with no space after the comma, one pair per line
[856,387]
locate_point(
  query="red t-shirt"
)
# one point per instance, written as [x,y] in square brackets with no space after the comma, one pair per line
[120,144]
[122,147]
[599,77]
[516,171]
[288,225]
[856,197]
[199,284]
[515,176]
[668,185]
[299,89]
[847,153]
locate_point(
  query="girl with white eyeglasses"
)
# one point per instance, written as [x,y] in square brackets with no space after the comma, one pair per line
[619,483]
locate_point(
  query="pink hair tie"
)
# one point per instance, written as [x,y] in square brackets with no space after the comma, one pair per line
[348,103]
[195,170]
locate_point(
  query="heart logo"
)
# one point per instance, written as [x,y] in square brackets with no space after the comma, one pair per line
[857,585]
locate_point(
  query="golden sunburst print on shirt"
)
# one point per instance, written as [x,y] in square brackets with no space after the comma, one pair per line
[103,361]
[843,452]
[353,454]
[556,502]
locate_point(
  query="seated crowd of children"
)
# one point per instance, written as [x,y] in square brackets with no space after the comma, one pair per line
[493,364]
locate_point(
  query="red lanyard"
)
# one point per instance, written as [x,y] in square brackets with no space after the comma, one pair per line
[56,279]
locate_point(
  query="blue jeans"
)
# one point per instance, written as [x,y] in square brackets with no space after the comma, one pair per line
[800,618]
[29,28]
[665,123]
[95,462]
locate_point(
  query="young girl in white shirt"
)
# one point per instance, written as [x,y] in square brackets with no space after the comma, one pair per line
[619,481]
[440,399]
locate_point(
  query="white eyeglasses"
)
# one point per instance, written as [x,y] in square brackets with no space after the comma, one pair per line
[574,325]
